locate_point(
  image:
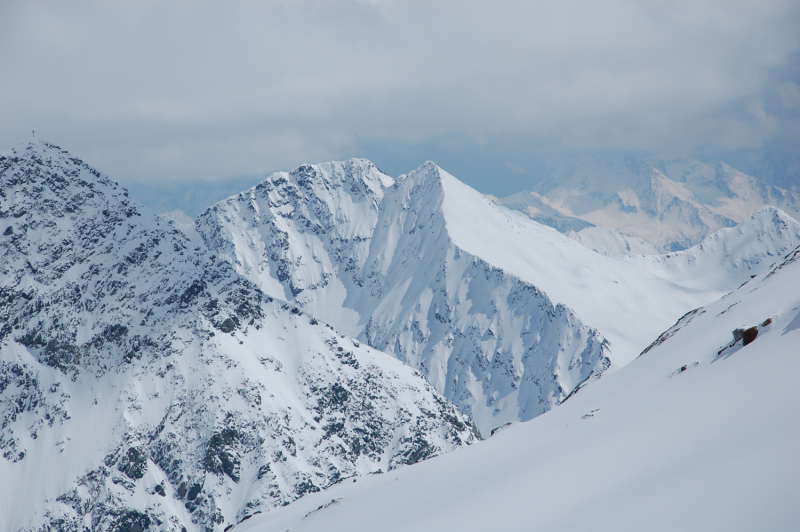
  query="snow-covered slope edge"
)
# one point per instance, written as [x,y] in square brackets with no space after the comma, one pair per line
[144,384]
[629,300]
[698,433]
[611,243]
[730,256]
[375,258]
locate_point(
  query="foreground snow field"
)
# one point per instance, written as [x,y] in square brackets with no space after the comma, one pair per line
[683,438]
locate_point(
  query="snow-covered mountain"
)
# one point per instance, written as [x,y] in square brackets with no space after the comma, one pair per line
[504,316]
[671,204]
[611,243]
[144,384]
[699,433]
[160,373]
[373,257]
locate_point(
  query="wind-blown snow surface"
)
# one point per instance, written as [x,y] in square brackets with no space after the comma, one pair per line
[504,316]
[144,383]
[698,433]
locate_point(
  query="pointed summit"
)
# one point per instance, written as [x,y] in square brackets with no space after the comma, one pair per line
[400,284]
[163,386]
[504,316]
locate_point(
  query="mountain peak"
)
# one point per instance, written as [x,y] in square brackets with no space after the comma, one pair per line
[35,145]
[184,393]
[338,172]
[427,172]
[401,285]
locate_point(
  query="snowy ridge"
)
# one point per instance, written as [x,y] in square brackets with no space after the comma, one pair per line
[302,235]
[611,243]
[145,384]
[629,300]
[494,345]
[503,315]
[679,439]
[730,256]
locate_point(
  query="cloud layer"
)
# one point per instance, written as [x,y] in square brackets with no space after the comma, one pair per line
[153,91]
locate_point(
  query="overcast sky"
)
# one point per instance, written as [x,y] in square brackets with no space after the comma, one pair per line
[175,91]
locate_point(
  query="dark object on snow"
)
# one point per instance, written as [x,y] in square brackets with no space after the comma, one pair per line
[749,335]
[766,322]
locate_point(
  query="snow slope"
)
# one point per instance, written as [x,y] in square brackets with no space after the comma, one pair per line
[699,433]
[374,257]
[145,384]
[628,300]
[611,243]
[504,316]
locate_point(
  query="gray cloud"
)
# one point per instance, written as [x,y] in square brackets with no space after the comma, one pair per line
[154,91]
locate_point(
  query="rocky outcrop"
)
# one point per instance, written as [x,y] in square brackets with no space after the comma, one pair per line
[168,391]
[374,257]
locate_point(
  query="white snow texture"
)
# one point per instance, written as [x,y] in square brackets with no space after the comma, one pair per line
[334,323]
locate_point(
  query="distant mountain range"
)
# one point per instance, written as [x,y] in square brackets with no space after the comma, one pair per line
[619,204]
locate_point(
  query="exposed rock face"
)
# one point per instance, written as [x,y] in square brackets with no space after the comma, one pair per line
[374,257]
[166,390]
[749,335]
